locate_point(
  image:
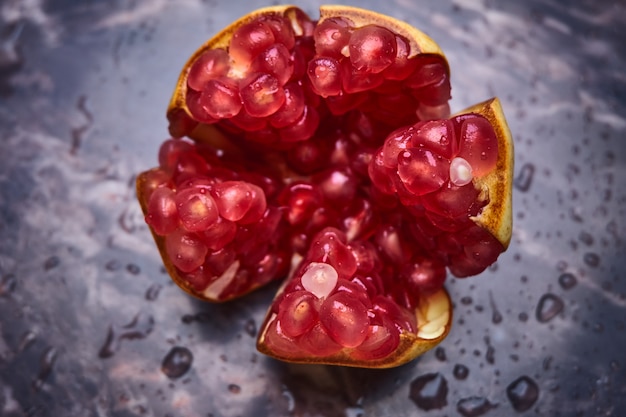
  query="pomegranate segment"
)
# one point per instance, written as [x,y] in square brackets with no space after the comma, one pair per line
[331,153]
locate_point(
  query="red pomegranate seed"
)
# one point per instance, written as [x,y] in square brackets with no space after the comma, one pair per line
[438,136]
[297,313]
[162,213]
[402,66]
[325,76]
[422,171]
[218,261]
[479,146]
[332,37]
[302,129]
[336,185]
[345,318]
[292,109]
[186,250]
[170,151]
[451,200]
[317,342]
[250,40]
[219,234]
[430,70]
[380,341]
[262,96]
[154,179]
[212,64]
[372,49]
[196,107]
[300,201]
[309,156]
[239,201]
[220,98]
[355,80]
[196,209]
[276,61]
[282,30]
[328,246]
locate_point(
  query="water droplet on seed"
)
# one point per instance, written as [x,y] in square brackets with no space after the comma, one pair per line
[429,391]
[522,393]
[549,306]
[177,362]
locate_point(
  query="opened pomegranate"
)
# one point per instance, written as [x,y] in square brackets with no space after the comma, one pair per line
[324,152]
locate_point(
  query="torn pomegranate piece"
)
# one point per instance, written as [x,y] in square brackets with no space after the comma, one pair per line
[326,148]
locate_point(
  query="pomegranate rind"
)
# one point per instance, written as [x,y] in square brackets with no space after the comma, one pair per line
[434,318]
[497,216]
[419,42]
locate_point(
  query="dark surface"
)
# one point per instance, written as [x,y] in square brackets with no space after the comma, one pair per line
[88,315]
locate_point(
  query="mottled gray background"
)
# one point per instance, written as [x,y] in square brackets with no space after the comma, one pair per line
[83,91]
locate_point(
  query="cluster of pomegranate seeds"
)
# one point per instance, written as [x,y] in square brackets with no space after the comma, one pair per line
[376,213]
[277,88]
[211,214]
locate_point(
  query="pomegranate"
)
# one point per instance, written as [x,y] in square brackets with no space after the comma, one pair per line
[323,152]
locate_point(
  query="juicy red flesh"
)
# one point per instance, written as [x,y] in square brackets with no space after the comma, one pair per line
[346,159]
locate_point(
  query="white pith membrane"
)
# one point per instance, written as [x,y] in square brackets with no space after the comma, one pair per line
[321,279]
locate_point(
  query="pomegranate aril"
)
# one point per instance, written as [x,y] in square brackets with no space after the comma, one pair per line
[439,111]
[275,60]
[320,279]
[461,172]
[381,175]
[189,165]
[478,145]
[354,290]
[381,340]
[220,98]
[403,66]
[342,103]
[244,121]
[219,234]
[366,256]
[403,319]
[325,76]
[282,30]
[262,96]
[360,219]
[453,201]
[308,156]
[422,171]
[185,250]
[336,185]
[196,107]
[210,65]
[248,41]
[430,70]
[345,318]
[357,80]
[434,94]
[297,313]
[331,37]
[318,343]
[170,151]
[372,49]
[423,275]
[300,201]
[302,129]
[235,199]
[162,215]
[154,179]
[291,110]
[391,244]
[217,262]
[196,209]
[438,136]
[396,142]
[328,246]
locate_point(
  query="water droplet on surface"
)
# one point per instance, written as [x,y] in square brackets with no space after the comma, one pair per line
[440,353]
[152,293]
[548,307]
[51,262]
[177,362]
[133,269]
[474,406]
[586,238]
[250,328]
[460,371]
[48,358]
[429,391]
[234,388]
[466,300]
[567,281]
[27,339]
[591,259]
[522,393]
[525,177]
[140,327]
[496,316]
[7,284]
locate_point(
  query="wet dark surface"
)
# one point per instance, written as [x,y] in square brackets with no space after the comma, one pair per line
[92,326]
